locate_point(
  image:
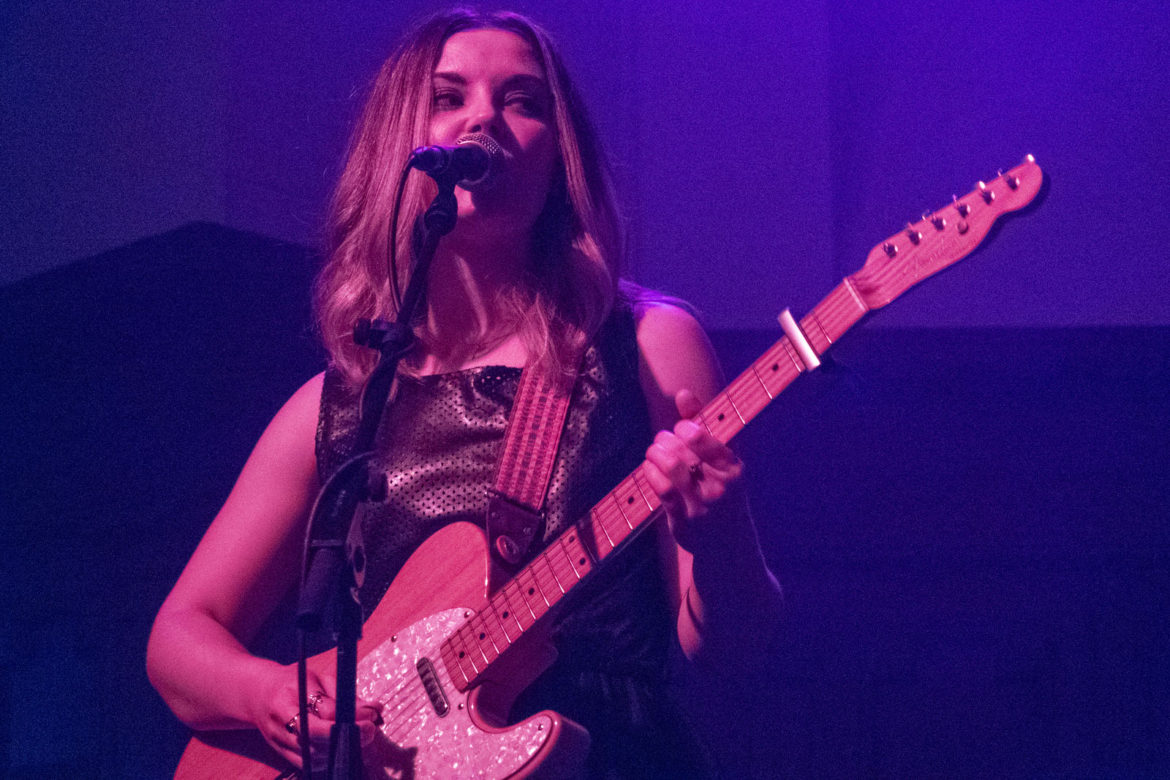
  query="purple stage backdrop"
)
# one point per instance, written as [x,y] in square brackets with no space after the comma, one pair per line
[968,512]
[762,148]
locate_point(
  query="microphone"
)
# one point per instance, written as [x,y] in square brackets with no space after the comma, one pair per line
[471,162]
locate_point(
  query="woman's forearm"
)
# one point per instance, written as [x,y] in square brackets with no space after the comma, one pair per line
[203,673]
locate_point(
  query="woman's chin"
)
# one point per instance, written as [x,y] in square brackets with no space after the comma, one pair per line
[493,221]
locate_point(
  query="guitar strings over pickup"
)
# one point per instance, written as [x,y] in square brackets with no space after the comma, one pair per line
[434,689]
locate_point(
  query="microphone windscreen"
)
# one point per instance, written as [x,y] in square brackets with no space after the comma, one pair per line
[494,155]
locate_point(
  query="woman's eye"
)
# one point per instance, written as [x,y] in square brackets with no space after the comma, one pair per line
[529,104]
[445,100]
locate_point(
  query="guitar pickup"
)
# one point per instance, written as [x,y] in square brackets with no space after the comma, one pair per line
[431,684]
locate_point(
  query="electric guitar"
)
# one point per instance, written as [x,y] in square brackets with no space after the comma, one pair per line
[446,657]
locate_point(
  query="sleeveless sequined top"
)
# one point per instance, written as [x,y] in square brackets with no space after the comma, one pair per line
[439,444]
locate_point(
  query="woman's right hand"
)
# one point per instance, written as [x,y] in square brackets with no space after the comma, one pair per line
[277,709]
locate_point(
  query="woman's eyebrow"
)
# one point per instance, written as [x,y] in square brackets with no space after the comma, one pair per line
[526,80]
[519,79]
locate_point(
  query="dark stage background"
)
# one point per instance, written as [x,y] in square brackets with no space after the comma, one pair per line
[968,513]
[969,524]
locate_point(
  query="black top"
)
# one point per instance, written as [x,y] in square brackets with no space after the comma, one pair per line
[439,444]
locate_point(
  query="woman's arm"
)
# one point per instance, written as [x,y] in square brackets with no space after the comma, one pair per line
[727,599]
[244,565]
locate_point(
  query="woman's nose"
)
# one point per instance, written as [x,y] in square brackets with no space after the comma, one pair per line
[484,118]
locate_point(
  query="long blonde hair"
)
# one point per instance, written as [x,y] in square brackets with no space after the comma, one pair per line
[577,239]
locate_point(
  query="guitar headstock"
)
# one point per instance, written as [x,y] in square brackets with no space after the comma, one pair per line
[940,239]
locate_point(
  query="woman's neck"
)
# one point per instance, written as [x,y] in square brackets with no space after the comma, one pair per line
[465,317]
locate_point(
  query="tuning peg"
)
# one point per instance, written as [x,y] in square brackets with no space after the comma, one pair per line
[913,234]
[962,208]
[987,194]
[889,249]
[938,222]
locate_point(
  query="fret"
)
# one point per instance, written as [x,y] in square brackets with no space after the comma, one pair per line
[543,557]
[451,660]
[734,408]
[793,355]
[595,523]
[465,666]
[561,563]
[577,554]
[701,418]
[776,369]
[638,477]
[529,590]
[481,631]
[510,593]
[630,499]
[611,517]
[746,399]
[617,502]
[568,557]
[496,631]
[833,316]
[850,288]
[815,332]
[471,646]
[764,387]
[721,418]
[500,617]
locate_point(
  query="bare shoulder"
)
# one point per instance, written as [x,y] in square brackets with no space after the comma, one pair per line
[675,354]
[299,413]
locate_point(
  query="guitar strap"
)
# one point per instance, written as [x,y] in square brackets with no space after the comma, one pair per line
[516,500]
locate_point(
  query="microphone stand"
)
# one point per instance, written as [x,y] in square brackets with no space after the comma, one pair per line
[334,554]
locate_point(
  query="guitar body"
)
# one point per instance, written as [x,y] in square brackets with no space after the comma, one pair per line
[441,586]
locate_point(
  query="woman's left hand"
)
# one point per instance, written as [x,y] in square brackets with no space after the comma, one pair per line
[691,471]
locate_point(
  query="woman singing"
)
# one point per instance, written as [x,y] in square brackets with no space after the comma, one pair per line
[528,277]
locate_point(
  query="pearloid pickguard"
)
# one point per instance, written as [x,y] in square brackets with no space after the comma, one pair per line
[420,743]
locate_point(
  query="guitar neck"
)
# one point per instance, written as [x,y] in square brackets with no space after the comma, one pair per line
[627,509]
[924,248]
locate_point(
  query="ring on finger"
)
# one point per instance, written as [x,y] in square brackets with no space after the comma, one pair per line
[315,701]
[293,723]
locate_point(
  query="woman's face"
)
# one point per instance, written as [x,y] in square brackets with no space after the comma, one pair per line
[490,81]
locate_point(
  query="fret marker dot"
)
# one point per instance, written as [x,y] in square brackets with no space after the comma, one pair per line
[531,591]
[581,562]
[461,653]
[630,500]
[482,635]
[505,613]
[720,418]
[775,366]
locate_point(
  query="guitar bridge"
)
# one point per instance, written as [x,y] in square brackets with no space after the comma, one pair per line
[434,689]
